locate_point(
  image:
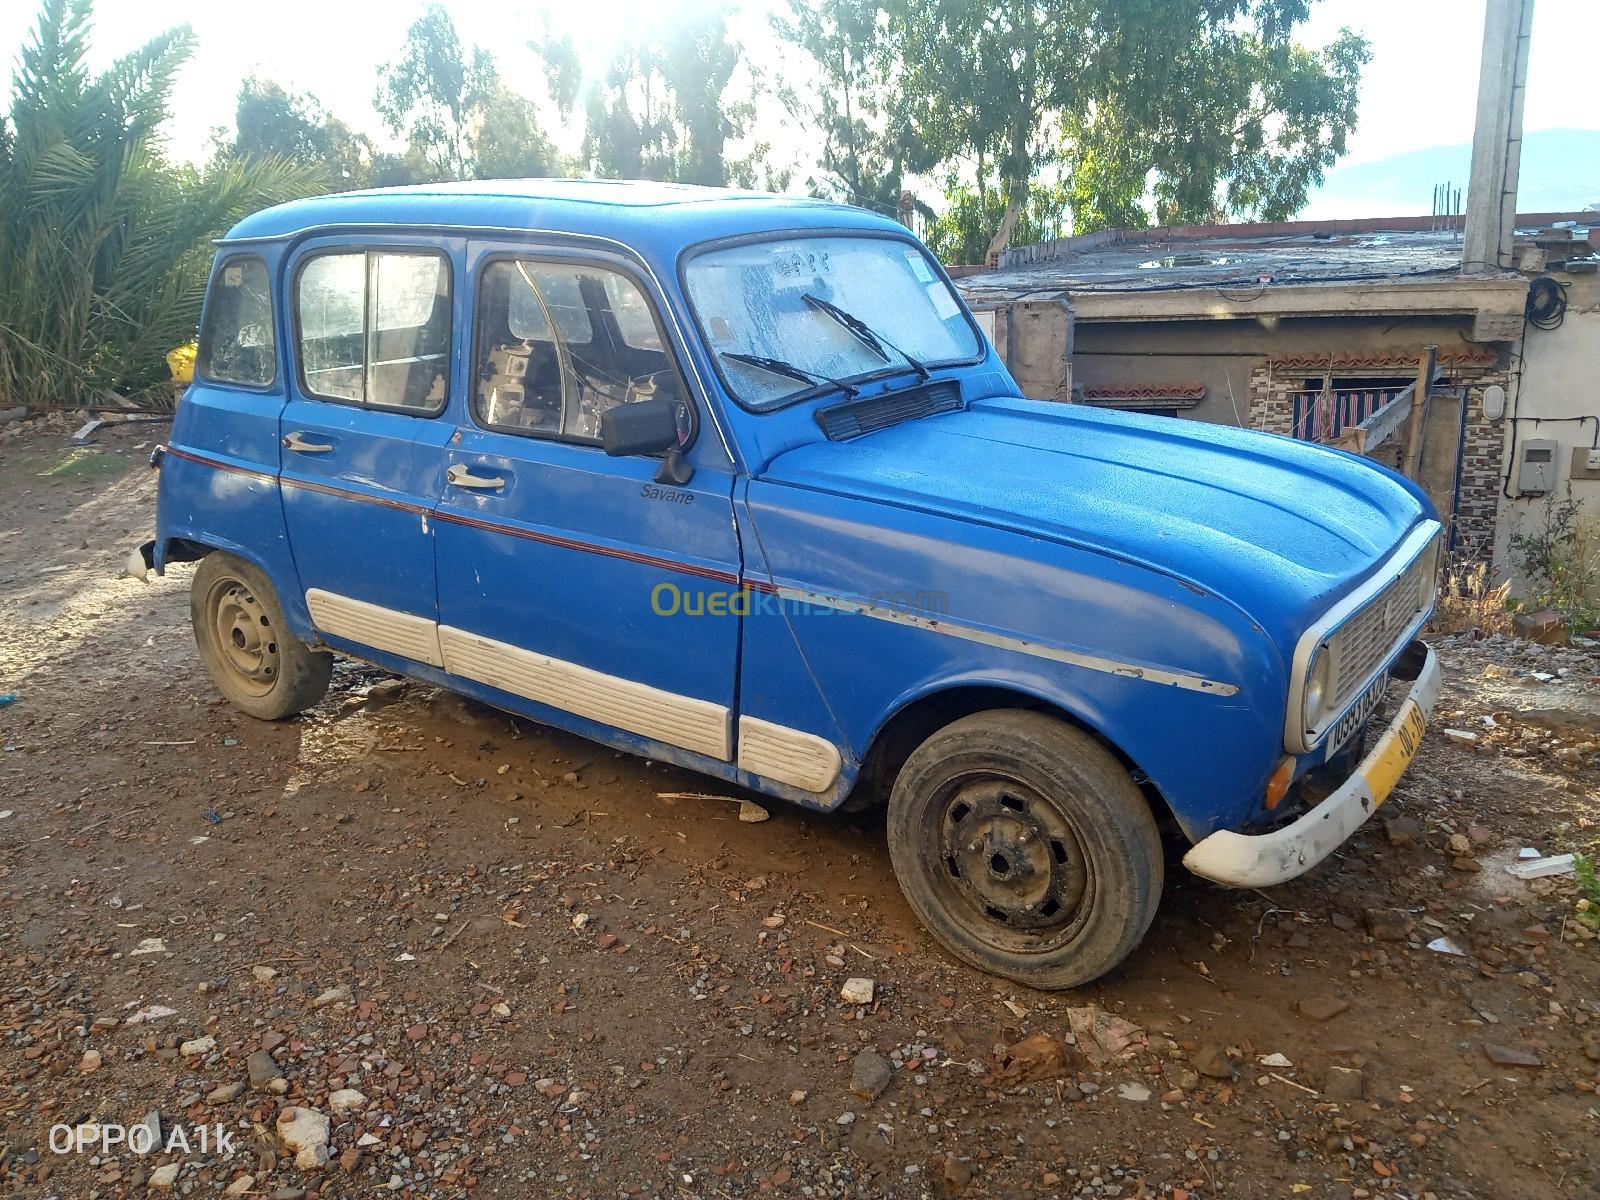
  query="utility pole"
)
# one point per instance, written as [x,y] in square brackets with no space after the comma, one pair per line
[1497,137]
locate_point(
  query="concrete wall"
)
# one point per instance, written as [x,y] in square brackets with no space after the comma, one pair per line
[1560,378]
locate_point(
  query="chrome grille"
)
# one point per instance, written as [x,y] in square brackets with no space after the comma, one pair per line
[1362,643]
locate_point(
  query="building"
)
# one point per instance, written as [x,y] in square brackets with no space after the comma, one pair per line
[1322,330]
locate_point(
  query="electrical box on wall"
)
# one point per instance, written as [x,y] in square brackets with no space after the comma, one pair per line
[1536,474]
[1585,463]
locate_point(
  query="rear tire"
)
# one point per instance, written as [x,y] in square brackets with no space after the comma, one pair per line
[1025,848]
[246,645]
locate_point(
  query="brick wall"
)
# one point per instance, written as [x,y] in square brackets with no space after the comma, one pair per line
[1482,459]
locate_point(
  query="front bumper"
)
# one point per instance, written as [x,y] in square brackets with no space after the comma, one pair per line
[1261,860]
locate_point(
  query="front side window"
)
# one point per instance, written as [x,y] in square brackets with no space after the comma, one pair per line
[788,316]
[238,344]
[560,343]
[375,328]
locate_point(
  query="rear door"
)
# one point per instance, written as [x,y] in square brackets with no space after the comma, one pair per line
[567,577]
[363,437]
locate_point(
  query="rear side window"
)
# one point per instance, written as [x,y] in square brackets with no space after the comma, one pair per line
[237,344]
[374,328]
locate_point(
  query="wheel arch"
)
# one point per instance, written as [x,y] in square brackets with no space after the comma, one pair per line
[919,716]
[184,548]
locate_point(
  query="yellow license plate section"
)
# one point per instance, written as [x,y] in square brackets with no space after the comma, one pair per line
[1394,751]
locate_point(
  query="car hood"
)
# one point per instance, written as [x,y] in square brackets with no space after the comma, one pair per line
[1281,528]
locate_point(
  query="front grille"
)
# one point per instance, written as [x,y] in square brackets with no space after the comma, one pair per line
[1362,643]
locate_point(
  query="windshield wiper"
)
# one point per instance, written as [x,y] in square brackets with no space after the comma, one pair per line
[777,366]
[864,333]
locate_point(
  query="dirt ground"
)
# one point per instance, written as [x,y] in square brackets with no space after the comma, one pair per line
[501,964]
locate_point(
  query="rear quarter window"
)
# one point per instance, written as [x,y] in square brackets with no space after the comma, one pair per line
[238,344]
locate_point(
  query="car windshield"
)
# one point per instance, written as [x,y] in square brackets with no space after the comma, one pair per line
[787,316]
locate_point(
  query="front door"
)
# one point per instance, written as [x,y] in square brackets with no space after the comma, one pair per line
[363,439]
[569,578]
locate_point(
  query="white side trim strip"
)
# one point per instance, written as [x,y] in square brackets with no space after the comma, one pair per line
[683,721]
[790,756]
[1005,641]
[372,625]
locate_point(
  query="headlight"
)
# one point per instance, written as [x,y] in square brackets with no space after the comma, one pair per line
[1317,678]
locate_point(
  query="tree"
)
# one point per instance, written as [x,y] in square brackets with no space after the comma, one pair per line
[661,109]
[103,245]
[1207,105]
[867,144]
[962,232]
[435,94]
[509,143]
[272,122]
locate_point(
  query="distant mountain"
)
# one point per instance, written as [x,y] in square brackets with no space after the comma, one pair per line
[1560,173]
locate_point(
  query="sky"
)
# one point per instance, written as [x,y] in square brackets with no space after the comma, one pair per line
[1419,90]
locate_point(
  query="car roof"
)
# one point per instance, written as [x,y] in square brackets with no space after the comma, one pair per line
[665,216]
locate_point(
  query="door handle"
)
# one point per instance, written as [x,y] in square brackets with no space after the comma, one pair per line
[297,441]
[464,478]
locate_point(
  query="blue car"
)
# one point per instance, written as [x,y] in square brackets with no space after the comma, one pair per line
[735,482]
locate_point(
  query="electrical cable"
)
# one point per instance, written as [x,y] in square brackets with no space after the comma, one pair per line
[1547,303]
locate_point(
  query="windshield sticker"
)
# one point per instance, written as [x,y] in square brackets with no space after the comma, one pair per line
[943,302]
[232,276]
[919,267]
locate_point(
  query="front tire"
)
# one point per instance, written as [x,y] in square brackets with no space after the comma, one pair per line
[1025,848]
[246,645]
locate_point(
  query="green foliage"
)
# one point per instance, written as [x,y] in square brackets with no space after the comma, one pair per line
[436,92]
[867,144]
[509,143]
[1588,892]
[660,110]
[1206,107]
[103,244]
[961,233]
[270,122]
[1560,560]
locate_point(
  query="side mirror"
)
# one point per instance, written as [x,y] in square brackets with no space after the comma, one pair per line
[643,427]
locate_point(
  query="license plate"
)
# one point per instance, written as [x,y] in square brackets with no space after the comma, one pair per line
[1357,716]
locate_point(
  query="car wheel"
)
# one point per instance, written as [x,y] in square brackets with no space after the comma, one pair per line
[1025,848]
[246,645]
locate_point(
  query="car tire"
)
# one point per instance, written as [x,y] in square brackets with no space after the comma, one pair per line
[1025,848]
[246,645]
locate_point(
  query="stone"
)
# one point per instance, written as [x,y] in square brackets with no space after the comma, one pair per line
[1403,831]
[956,1173]
[870,1074]
[313,1158]
[1342,921]
[1459,844]
[90,1062]
[240,1186]
[145,1137]
[302,1131]
[264,974]
[345,1099]
[385,691]
[797,1098]
[1511,1056]
[1388,924]
[1136,1092]
[225,1094]
[352,1159]
[1544,626]
[1213,1062]
[858,991]
[1322,1007]
[1463,737]
[199,1045]
[1345,1084]
[1034,1058]
[164,1179]
[333,995]
[262,1069]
